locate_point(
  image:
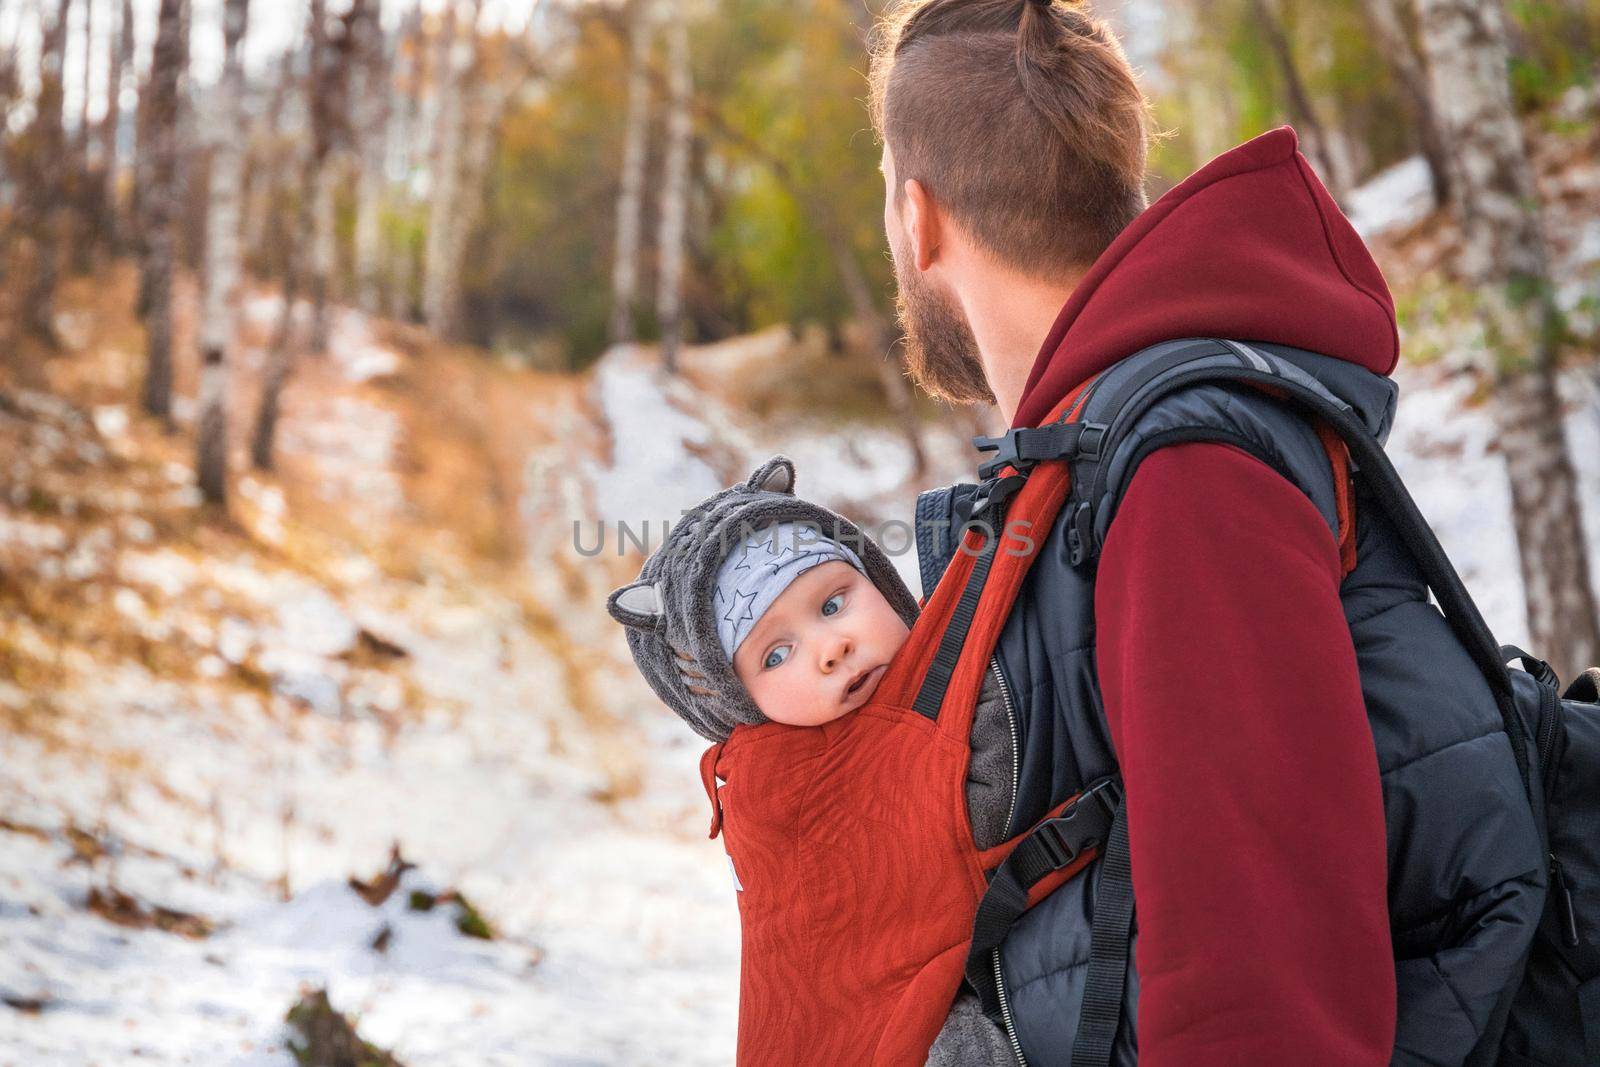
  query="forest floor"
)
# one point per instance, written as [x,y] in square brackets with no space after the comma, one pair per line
[210,723]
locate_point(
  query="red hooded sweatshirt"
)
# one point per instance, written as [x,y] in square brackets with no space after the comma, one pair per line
[1255,818]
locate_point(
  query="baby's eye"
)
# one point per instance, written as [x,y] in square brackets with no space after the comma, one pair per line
[835,597]
[770,662]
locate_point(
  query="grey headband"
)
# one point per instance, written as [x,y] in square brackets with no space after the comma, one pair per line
[760,568]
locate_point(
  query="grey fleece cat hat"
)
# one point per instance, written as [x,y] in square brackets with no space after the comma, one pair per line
[668,613]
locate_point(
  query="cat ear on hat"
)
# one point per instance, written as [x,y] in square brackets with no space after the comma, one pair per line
[637,604]
[776,475]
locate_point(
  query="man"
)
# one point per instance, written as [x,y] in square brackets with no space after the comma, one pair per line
[1014,140]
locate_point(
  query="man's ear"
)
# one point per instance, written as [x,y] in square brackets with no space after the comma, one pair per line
[922,223]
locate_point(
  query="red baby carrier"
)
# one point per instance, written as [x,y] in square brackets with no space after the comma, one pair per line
[850,843]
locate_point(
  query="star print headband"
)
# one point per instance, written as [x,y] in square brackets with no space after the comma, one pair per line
[760,567]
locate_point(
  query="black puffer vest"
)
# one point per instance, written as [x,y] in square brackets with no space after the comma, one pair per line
[1451,784]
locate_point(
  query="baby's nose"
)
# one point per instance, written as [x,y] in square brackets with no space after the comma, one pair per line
[835,651]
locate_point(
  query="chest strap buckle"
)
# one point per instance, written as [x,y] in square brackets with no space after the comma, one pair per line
[1023,446]
[1083,825]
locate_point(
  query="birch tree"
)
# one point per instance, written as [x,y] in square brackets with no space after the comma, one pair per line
[222,260]
[273,157]
[1330,161]
[160,203]
[630,201]
[439,285]
[280,352]
[1505,259]
[43,154]
[329,125]
[1389,35]
[371,102]
[81,181]
[403,152]
[484,100]
[119,60]
[670,237]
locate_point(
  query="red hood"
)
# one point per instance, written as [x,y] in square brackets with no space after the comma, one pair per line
[1249,246]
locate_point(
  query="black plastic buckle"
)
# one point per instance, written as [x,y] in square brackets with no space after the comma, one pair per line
[1023,446]
[1053,841]
[1065,837]
[1008,449]
[991,495]
[1108,791]
[1080,534]
[1542,671]
[1090,438]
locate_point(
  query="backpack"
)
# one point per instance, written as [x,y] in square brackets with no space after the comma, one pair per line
[1552,1018]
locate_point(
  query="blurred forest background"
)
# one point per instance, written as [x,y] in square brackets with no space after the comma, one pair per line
[339,336]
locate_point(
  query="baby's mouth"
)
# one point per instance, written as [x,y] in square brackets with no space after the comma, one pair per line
[859,681]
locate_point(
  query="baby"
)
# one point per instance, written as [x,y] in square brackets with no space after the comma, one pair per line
[763,607]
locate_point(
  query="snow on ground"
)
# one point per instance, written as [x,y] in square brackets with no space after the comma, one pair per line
[619,939]
[265,743]
[652,471]
[1397,196]
[666,437]
[1443,450]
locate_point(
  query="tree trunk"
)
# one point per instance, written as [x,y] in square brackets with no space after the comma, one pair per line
[1301,110]
[281,352]
[222,261]
[119,60]
[161,205]
[460,95]
[324,249]
[84,198]
[1395,46]
[328,123]
[44,154]
[440,286]
[670,237]
[264,178]
[484,106]
[880,334]
[371,101]
[402,137]
[1505,258]
[630,201]
[86,76]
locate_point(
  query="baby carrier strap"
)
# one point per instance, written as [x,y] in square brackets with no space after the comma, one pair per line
[994,549]
[1063,843]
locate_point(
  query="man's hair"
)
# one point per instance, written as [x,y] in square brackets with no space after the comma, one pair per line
[1021,118]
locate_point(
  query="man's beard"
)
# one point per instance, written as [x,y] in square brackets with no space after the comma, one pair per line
[941,353]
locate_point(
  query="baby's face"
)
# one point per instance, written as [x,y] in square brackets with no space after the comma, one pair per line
[820,649]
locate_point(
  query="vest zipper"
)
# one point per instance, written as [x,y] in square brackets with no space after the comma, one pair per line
[1016,772]
[1566,916]
[1005,1012]
[1016,754]
[1549,721]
